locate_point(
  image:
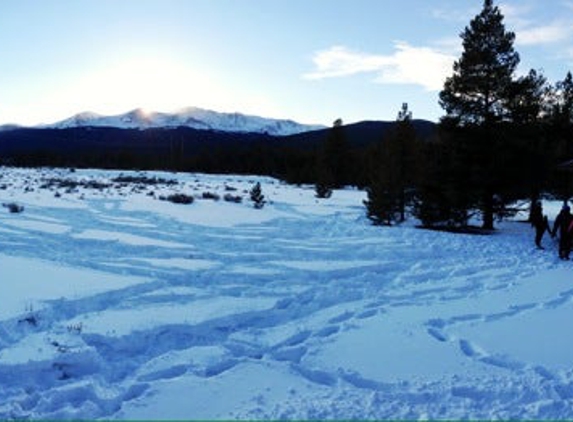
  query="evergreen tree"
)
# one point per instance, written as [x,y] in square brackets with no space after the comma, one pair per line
[529,99]
[477,92]
[404,115]
[324,179]
[561,122]
[393,172]
[257,196]
[530,148]
[477,97]
[444,191]
[563,107]
[381,205]
[322,189]
[332,162]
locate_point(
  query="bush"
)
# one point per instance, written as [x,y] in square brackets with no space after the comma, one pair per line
[211,195]
[13,207]
[144,180]
[233,198]
[178,198]
[72,186]
[257,196]
[322,191]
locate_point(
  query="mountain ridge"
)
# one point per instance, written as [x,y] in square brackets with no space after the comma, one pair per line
[191,117]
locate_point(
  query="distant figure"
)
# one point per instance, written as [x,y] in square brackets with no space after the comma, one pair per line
[540,223]
[564,222]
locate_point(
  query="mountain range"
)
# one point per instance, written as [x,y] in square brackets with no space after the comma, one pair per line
[191,117]
[192,140]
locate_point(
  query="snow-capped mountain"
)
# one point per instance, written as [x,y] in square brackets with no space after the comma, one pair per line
[9,126]
[192,117]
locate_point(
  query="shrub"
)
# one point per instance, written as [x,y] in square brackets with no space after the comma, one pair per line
[233,198]
[178,198]
[72,186]
[13,207]
[257,196]
[144,180]
[322,191]
[211,195]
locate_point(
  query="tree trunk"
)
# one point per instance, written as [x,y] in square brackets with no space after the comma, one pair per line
[402,205]
[487,212]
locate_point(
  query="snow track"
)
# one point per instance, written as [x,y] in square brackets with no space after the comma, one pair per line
[299,310]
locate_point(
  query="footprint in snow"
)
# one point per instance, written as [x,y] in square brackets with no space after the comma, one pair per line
[341,318]
[328,331]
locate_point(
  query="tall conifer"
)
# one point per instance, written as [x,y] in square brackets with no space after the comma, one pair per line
[392,171]
[477,92]
[477,97]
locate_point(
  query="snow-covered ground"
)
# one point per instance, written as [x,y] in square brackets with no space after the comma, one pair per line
[115,304]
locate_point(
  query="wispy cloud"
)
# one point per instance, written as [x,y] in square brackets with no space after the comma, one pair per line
[516,16]
[453,15]
[340,61]
[422,66]
[529,31]
[523,19]
[546,34]
[449,45]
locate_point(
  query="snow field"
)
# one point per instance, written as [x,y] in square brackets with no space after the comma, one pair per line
[115,304]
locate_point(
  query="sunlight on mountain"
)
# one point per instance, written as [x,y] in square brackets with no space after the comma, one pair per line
[149,84]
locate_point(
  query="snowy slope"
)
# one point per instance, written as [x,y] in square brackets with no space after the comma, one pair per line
[192,117]
[117,305]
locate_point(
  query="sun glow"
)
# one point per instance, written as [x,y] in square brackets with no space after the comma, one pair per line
[154,85]
[146,83]
[151,84]
[159,84]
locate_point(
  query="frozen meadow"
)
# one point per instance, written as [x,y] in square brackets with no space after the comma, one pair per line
[117,305]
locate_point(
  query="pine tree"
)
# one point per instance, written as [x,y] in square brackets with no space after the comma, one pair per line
[477,92]
[381,206]
[332,162]
[322,190]
[324,178]
[404,147]
[477,97]
[529,99]
[530,151]
[444,191]
[257,196]
[562,132]
[393,170]
[563,107]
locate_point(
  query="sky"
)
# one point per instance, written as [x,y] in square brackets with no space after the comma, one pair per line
[312,61]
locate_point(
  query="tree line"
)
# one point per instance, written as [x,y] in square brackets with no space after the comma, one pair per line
[501,139]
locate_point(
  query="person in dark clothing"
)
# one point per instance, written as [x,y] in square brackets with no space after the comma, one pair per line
[563,223]
[540,223]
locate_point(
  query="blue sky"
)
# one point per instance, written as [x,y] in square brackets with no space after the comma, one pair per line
[309,60]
